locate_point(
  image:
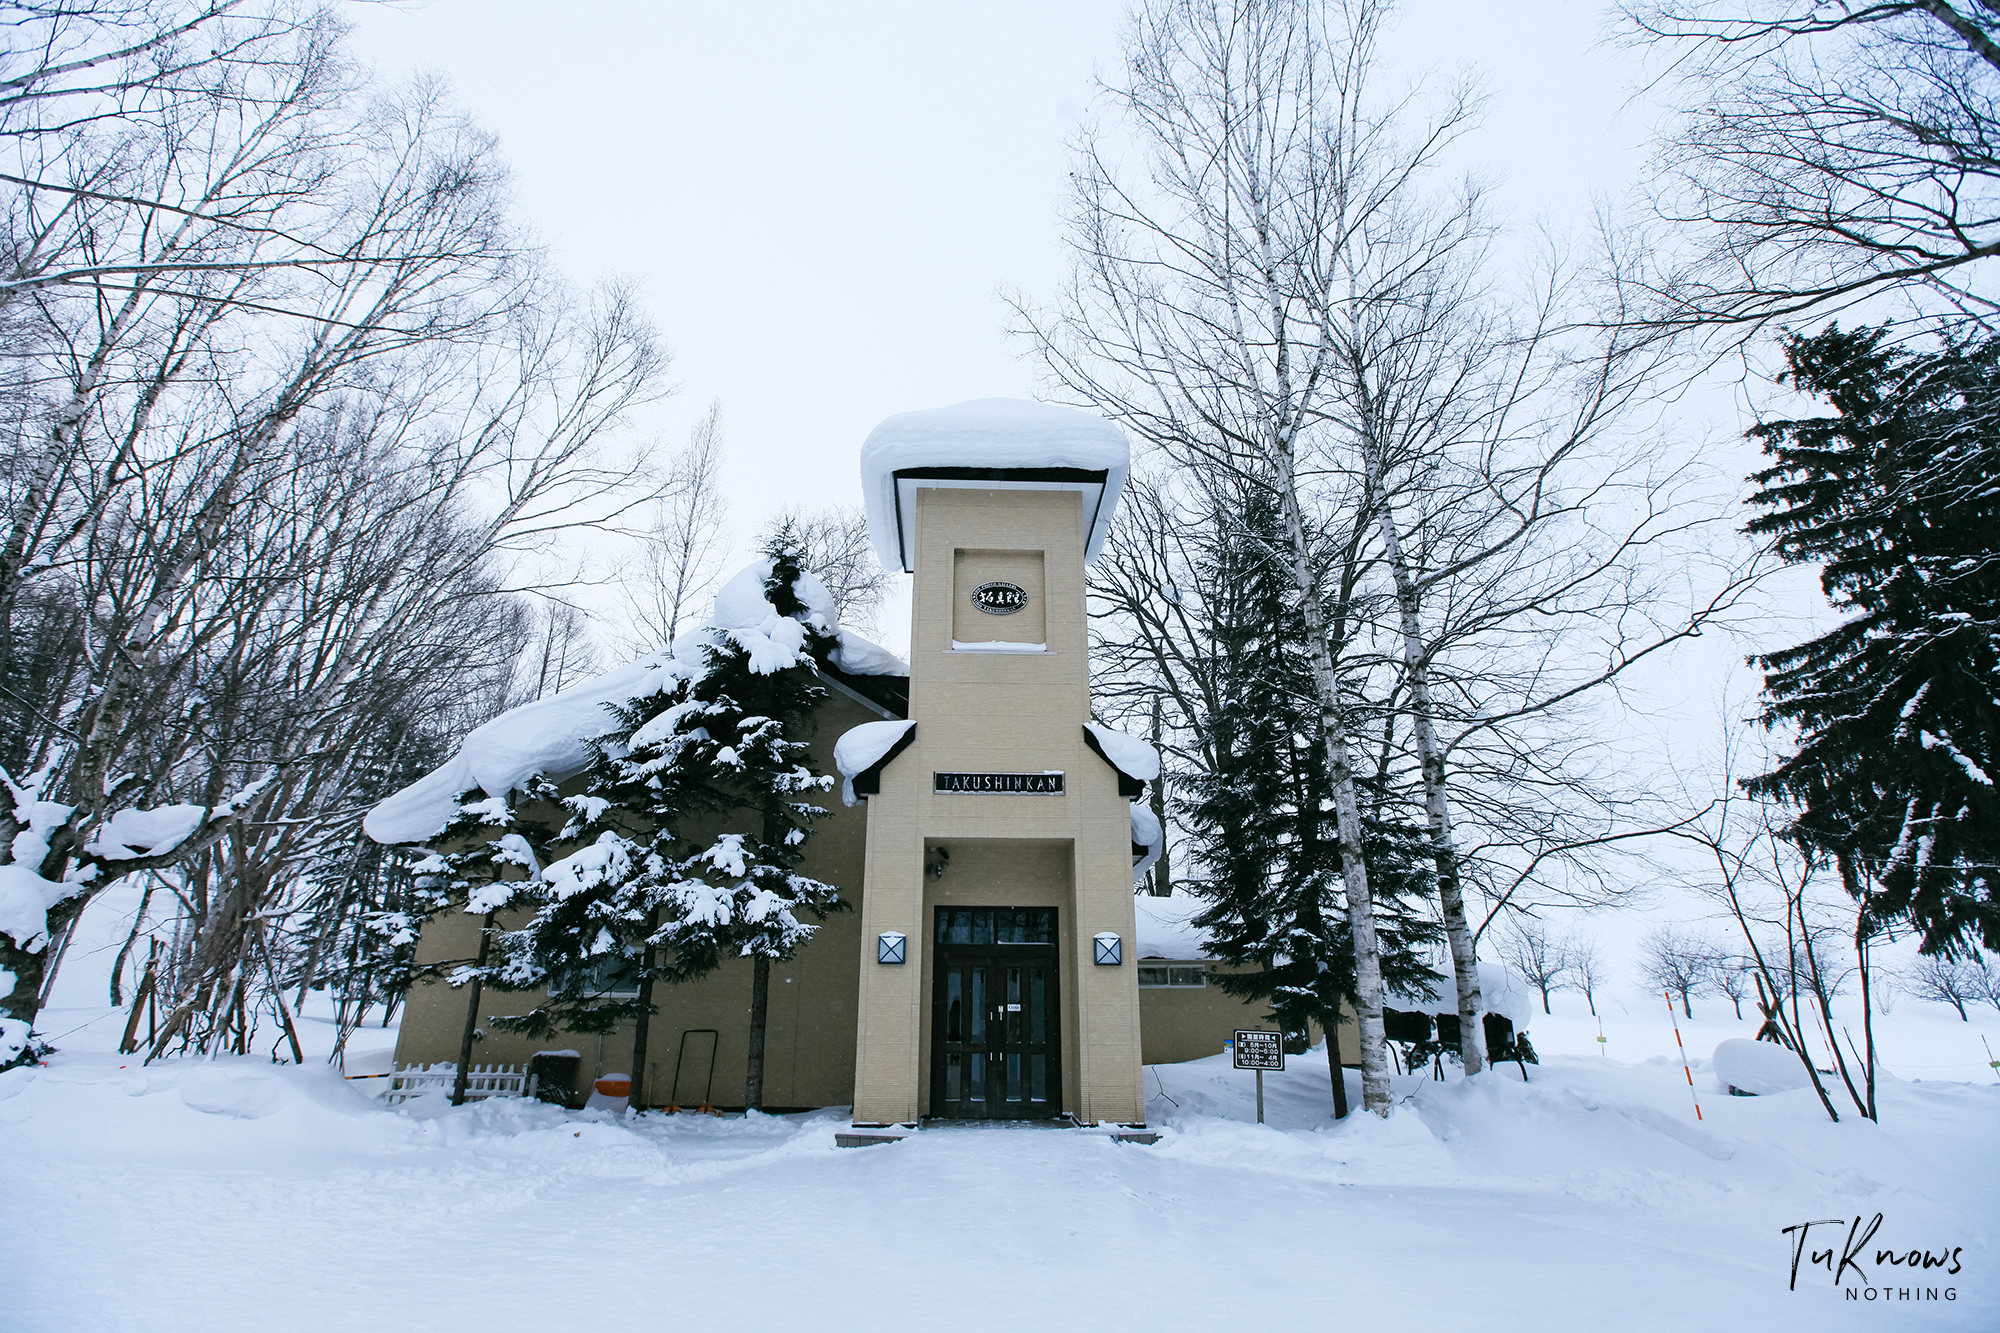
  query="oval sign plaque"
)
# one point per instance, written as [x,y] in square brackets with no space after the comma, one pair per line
[999,598]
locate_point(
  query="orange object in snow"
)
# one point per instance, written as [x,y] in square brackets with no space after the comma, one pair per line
[614,1087]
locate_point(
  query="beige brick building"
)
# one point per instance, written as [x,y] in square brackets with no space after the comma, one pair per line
[991,966]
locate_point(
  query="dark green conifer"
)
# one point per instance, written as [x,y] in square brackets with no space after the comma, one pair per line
[1897,496]
[682,845]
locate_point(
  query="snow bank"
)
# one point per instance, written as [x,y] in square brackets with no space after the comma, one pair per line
[1128,754]
[1588,1198]
[1009,433]
[1758,1067]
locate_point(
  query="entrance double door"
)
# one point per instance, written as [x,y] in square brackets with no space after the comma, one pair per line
[996,1045]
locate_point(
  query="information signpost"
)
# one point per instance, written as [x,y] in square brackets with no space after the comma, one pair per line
[1258,1050]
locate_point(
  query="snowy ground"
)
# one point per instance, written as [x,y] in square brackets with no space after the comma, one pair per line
[241,1195]
[238,1195]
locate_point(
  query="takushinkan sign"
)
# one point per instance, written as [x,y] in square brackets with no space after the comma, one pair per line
[1005,784]
[999,598]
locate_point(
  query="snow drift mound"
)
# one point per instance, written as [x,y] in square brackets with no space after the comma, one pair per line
[1759,1068]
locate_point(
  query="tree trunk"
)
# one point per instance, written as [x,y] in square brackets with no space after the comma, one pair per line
[129,1043]
[1430,758]
[1375,1095]
[760,998]
[54,951]
[278,995]
[643,1024]
[33,971]
[1163,880]
[1338,1071]
[1867,1015]
[131,937]
[471,1017]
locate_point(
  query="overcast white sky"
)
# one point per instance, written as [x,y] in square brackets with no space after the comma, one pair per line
[822,203]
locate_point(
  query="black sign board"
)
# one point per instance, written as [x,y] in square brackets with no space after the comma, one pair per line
[1005,784]
[1259,1050]
[999,598]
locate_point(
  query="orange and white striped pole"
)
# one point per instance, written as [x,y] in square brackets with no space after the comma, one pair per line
[1684,1053]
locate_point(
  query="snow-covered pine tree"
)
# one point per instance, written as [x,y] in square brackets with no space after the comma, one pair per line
[1898,708]
[1261,818]
[684,840]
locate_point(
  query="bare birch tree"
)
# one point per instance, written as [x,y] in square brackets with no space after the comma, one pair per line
[681,542]
[271,509]
[1496,454]
[1197,314]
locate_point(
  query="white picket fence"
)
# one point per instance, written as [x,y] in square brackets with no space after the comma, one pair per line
[481,1081]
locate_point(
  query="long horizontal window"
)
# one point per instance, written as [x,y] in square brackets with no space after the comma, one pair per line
[1185,975]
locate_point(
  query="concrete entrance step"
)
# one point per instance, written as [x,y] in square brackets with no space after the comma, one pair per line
[868,1136]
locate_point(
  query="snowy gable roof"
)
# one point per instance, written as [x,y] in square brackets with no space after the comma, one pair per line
[552,737]
[990,444]
[1164,929]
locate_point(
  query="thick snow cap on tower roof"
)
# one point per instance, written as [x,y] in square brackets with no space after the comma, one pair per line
[990,444]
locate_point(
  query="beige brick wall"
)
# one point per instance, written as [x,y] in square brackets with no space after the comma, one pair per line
[1000,712]
[808,1051]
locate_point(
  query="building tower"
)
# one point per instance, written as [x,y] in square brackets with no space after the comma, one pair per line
[997,977]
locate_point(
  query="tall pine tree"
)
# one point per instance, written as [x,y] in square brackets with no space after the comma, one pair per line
[1897,495]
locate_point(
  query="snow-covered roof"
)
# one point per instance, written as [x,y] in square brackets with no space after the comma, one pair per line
[861,748]
[551,737]
[1128,754]
[979,444]
[1500,991]
[1163,927]
[1164,932]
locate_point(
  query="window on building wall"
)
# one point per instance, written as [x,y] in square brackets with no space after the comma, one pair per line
[608,976]
[1179,975]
